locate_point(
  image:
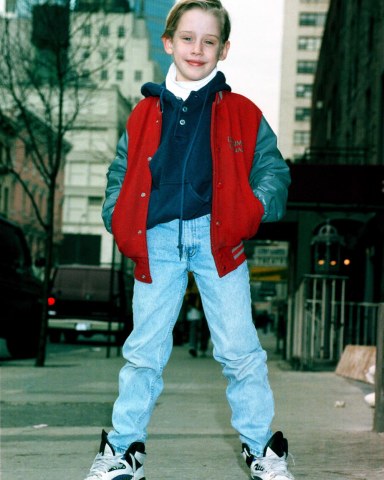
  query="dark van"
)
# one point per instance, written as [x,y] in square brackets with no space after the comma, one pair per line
[87,300]
[20,293]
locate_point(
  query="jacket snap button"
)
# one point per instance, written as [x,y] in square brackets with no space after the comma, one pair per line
[143,194]
[182,122]
[185,109]
[143,277]
[218,224]
[149,159]
[140,232]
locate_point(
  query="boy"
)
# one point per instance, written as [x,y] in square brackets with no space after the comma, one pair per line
[200,172]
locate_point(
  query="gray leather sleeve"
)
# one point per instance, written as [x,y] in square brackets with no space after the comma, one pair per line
[115,178]
[269,177]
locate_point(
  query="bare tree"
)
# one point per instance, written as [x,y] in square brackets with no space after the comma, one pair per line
[44,83]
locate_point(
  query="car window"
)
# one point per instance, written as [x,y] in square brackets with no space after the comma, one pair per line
[85,283]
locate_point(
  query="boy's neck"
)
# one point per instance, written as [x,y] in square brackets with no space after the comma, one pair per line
[183,89]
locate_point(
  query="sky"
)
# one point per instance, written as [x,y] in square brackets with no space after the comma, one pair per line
[253,63]
[252,67]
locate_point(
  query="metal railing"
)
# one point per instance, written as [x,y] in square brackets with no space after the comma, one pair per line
[321,322]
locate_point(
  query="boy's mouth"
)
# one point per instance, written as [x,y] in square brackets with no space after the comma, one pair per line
[194,63]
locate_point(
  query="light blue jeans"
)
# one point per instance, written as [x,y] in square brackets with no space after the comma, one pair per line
[227,306]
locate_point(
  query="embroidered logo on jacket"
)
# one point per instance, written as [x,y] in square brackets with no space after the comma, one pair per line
[235,145]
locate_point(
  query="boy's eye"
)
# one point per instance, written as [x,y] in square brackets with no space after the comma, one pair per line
[187,39]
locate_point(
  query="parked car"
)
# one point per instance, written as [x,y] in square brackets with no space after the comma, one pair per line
[21,293]
[86,300]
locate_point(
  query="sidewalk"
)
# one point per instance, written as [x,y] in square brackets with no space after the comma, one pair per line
[52,418]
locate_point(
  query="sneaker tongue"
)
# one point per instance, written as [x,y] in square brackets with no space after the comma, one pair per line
[276,447]
[269,453]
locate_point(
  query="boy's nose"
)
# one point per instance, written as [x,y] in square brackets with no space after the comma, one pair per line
[197,48]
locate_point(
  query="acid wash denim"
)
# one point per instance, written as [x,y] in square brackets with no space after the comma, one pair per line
[227,306]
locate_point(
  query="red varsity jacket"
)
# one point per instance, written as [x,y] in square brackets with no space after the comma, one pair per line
[236,212]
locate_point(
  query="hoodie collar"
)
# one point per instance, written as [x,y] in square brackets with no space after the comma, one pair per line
[215,84]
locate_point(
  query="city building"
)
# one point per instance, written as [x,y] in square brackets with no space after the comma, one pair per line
[347,133]
[109,54]
[304,22]
[155,13]
[337,196]
[114,46]
[19,161]
[94,139]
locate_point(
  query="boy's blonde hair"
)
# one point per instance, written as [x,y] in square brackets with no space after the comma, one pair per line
[213,6]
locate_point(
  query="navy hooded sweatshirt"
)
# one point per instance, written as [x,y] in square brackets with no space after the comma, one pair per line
[181,168]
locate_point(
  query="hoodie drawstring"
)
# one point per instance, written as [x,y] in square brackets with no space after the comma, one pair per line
[186,158]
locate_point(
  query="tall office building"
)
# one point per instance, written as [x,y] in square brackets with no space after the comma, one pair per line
[304,22]
[155,12]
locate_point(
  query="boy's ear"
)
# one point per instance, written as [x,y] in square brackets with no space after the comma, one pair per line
[168,45]
[224,51]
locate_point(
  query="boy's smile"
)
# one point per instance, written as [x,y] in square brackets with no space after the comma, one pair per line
[196,46]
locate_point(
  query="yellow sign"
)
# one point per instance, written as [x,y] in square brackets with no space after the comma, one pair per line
[268,274]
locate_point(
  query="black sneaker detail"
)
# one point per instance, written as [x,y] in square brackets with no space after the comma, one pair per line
[104,442]
[278,444]
[125,477]
[129,455]
[248,457]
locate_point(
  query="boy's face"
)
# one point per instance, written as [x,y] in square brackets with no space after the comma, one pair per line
[196,46]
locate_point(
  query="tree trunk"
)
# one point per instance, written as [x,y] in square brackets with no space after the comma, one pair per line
[49,232]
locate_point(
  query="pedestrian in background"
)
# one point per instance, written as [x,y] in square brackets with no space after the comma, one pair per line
[198,330]
[195,173]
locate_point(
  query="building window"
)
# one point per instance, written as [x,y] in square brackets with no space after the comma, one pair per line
[312,19]
[371,34]
[86,75]
[119,75]
[302,114]
[77,174]
[4,200]
[104,31]
[86,54]
[304,90]
[103,54]
[309,43]
[94,206]
[301,137]
[95,201]
[87,30]
[104,75]
[120,53]
[306,66]
[138,75]
[121,31]
[10,6]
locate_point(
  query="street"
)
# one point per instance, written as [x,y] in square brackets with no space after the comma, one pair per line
[51,418]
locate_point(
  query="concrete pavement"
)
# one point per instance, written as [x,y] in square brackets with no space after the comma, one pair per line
[51,419]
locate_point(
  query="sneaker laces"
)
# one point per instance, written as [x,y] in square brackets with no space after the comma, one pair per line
[103,463]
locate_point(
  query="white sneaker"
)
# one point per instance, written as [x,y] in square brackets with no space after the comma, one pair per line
[273,464]
[109,465]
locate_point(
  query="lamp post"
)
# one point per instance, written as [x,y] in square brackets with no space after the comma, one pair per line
[327,246]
